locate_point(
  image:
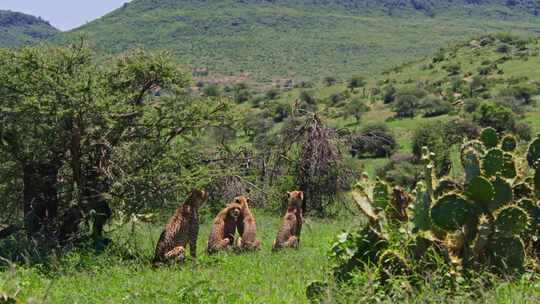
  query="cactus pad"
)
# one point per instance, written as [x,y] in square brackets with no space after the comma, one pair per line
[506,254]
[489,138]
[451,212]
[533,154]
[471,163]
[496,162]
[481,191]
[381,195]
[503,193]
[522,190]
[420,208]
[509,143]
[511,220]
[534,214]
[392,264]
[445,186]
[537,181]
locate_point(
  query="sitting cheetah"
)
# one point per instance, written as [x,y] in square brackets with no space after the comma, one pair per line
[247,228]
[224,227]
[289,234]
[181,230]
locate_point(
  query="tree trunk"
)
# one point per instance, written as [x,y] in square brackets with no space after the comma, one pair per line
[40,197]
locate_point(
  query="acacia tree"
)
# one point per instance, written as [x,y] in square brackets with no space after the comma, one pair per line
[81,136]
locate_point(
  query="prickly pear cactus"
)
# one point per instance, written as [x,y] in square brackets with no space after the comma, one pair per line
[533,154]
[391,264]
[537,181]
[503,193]
[420,209]
[481,191]
[508,143]
[498,162]
[381,195]
[489,138]
[452,211]
[506,254]
[470,160]
[511,220]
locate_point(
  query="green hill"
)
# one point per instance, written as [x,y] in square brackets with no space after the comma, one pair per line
[18,28]
[303,39]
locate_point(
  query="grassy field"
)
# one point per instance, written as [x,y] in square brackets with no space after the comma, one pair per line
[261,277]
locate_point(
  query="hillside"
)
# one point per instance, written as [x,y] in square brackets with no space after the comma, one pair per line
[302,39]
[18,28]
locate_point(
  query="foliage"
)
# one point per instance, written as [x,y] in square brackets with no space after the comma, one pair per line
[434,136]
[88,141]
[272,39]
[406,106]
[18,29]
[373,140]
[488,223]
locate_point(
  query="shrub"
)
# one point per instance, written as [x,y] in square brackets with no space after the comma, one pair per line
[373,140]
[494,115]
[336,98]
[212,90]
[329,80]
[308,97]
[356,82]
[470,105]
[406,106]
[453,69]
[433,135]
[401,169]
[433,107]
[357,108]
[389,93]
[272,94]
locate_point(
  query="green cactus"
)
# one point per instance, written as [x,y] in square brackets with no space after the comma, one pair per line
[481,191]
[485,229]
[503,193]
[533,153]
[445,186]
[534,214]
[420,209]
[537,181]
[511,220]
[496,161]
[451,212]
[508,143]
[522,190]
[489,138]
[381,195]
[506,254]
[365,203]
[470,161]
[391,264]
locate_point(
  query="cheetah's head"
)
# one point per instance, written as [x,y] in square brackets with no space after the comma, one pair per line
[198,197]
[295,198]
[243,201]
[234,211]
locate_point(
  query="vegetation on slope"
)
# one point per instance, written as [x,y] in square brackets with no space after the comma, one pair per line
[17,29]
[301,39]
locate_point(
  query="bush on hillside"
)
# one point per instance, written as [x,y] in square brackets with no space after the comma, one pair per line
[433,107]
[406,106]
[402,170]
[433,135]
[373,140]
[497,116]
